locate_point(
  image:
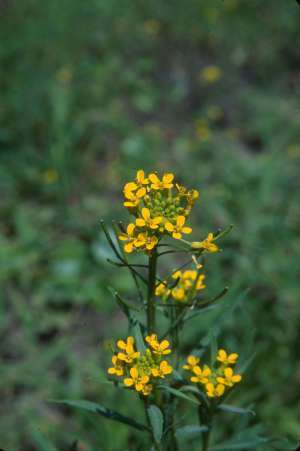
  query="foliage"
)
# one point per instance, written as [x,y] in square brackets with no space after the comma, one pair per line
[91,91]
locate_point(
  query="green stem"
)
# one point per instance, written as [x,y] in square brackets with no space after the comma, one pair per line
[151,326]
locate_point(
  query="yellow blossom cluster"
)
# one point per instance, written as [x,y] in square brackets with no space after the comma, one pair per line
[160,207]
[187,283]
[141,370]
[214,380]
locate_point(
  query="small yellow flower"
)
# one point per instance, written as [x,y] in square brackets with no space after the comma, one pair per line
[130,353]
[158,348]
[162,289]
[138,185]
[210,74]
[129,238]
[139,381]
[206,244]
[229,378]
[145,241]
[147,389]
[178,293]
[214,390]
[163,369]
[192,361]
[200,285]
[117,369]
[165,183]
[227,359]
[147,221]
[201,375]
[179,228]
[133,198]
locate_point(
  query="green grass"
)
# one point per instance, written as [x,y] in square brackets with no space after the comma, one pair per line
[90,92]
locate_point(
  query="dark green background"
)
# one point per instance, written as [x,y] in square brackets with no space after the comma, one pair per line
[90,92]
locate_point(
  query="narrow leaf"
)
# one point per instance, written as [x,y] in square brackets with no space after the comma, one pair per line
[190,432]
[101,410]
[242,445]
[234,409]
[157,422]
[140,344]
[179,394]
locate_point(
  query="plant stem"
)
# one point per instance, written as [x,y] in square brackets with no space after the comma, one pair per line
[151,292]
[206,439]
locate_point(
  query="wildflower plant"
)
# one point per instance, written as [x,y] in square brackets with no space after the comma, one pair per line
[149,362]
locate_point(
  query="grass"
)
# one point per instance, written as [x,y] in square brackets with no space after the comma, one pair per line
[90,93]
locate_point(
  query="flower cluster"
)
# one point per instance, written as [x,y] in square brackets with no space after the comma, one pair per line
[160,207]
[215,380]
[186,284]
[141,370]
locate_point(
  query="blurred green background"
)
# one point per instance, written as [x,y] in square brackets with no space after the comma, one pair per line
[92,91]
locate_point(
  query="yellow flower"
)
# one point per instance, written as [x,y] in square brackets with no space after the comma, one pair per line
[147,221]
[179,228]
[214,390]
[50,176]
[192,196]
[145,241]
[138,185]
[130,353]
[163,369]
[162,289]
[139,381]
[200,285]
[165,183]
[147,389]
[201,375]
[117,369]
[206,244]
[227,359]
[192,361]
[229,378]
[133,199]
[129,238]
[158,348]
[178,293]
[210,74]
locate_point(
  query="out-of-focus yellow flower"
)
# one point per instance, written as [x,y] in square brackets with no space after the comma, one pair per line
[152,27]
[294,151]
[229,378]
[206,244]
[64,75]
[179,228]
[192,361]
[50,176]
[227,359]
[202,130]
[210,74]
[162,289]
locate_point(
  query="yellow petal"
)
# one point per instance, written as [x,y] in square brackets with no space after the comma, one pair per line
[146,213]
[153,178]
[128,382]
[130,186]
[186,229]
[130,228]
[140,222]
[134,372]
[228,372]
[128,247]
[169,226]
[140,175]
[222,355]
[180,220]
[168,178]
[111,370]
[176,235]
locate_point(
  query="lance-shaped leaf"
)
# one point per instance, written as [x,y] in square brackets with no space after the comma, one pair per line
[140,344]
[190,432]
[101,410]
[179,394]
[156,420]
[234,409]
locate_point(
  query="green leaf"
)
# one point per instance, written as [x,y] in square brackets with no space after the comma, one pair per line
[157,421]
[101,410]
[190,432]
[179,394]
[240,444]
[140,344]
[234,409]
